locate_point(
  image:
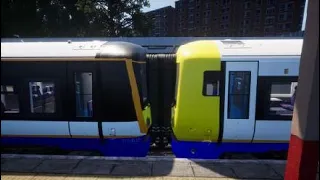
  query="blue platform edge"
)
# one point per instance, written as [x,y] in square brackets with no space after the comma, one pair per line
[117,147]
[213,150]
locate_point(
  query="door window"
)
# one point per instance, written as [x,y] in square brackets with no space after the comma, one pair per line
[239,94]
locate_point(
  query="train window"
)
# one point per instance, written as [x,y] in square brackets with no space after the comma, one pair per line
[275,98]
[9,100]
[211,83]
[143,73]
[83,93]
[239,94]
[42,97]
[282,97]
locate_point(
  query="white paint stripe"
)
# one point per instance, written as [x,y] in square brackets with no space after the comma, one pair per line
[144,159]
[32,127]
[29,127]
[121,129]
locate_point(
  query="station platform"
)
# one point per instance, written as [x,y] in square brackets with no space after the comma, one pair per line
[52,167]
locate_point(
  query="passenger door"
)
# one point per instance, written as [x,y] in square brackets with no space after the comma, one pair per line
[240,101]
[82,90]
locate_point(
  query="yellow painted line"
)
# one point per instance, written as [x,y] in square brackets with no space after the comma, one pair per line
[136,97]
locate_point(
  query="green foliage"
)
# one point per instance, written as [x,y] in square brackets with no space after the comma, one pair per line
[70,18]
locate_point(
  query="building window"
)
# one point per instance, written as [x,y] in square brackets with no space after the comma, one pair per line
[42,97]
[288,26]
[190,17]
[289,16]
[269,21]
[245,22]
[289,6]
[83,93]
[211,83]
[276,98]
[281,17]
[9,100]
[257,21]
[258,2]
[268,29]
[270,11]
[280,26]
[258,12]
[239,94]
[247,5]
[247,14]
[224,26]
[206,21]
[270,2]
[207,6]
[282,7]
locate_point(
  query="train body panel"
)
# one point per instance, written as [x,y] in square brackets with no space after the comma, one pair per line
[94,94]
[272,131]
[193,121]
[231,95]
[34,128]
[266,73]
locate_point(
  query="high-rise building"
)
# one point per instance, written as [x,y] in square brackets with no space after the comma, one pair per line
[238,17]
[163,21]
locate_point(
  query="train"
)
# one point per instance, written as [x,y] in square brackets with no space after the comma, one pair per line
[203,97]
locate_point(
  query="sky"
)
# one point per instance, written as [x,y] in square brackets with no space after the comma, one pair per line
[304,16]
[156,4]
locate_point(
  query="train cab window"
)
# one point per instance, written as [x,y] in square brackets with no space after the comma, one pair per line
[9,100]
[143,72]
[275,98]
[239,94]
[211,83]
[141,79]
[42,97]
[83,93]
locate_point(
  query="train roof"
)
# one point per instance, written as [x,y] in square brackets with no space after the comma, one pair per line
[60,47]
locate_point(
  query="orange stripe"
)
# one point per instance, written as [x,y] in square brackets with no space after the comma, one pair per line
[136,97]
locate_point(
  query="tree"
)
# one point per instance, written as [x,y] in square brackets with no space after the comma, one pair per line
[115,17]
[67,18]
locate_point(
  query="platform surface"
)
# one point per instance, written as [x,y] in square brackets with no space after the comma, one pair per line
[51,167]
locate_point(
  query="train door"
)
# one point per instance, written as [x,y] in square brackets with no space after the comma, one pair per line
[240,101]
[83,89]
